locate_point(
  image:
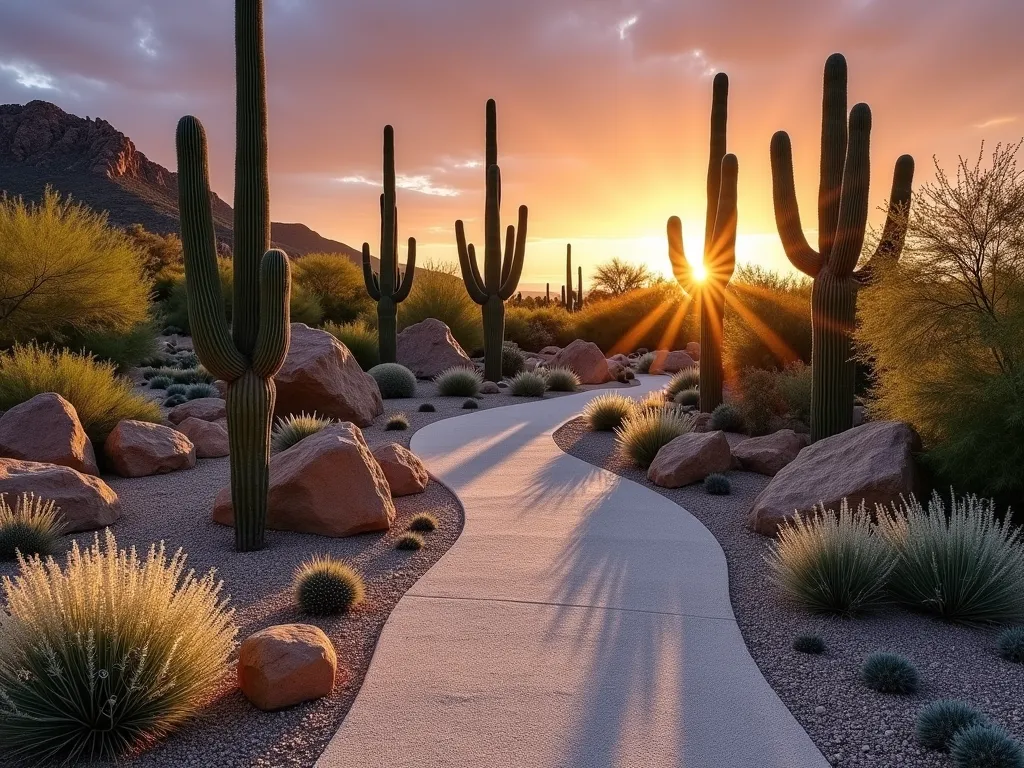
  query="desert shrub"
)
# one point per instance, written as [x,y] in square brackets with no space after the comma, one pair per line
[30,527]
[109,653]
[889,673]
[160,382]
[644,433]
[424,522]
[470,405]
[180,375]
[458,382]
[717,485]
[124,348]
[440,294]
[336,283]
[1011,644]
[427,408]
[175,400]
[645,361]
[397,422]
[687,397]
[985,746]
[533,329]
[965,566]
[288,430]
[939,721]
[561,379]
[653,401]
[942,328]
[687,378]
[605,413]
[324,586]
[512,360]
[394,380]
[618,276]
[196,391]
[760,403]
[727,418]
[812,644]
[794,386]
[185,359]
[65,271]
[177,389]
[659,317]
[832,563]
[528,384]
[360,339]
[100,396]
[160,252]
[409,541]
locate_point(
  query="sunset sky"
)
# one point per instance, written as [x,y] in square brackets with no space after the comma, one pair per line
[602,104]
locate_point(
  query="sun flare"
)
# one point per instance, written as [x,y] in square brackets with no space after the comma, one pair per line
[700,273]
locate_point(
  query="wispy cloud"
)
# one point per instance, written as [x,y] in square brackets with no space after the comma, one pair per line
[422,184]
[28,75]
[996,121]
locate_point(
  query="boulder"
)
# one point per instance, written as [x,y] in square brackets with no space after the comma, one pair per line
[489,388]
[550,351]
[46,429]
[405,472]
[203,408]
[140,449]
[767,455]
[428,348]
[328,484]
[586,359]
[209,437]
[620,359]
[671,362]
[702,422]
[320,374]
[693,350]
[85,502]
[872,464]
[617,371]
[286,664]
[689,459]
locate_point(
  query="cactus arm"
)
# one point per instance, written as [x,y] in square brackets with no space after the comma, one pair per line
[721,262]
[506,259]
[719,124]
[369,276]
[470,271]
[275,321]
[211,336]
[853,208]
[491,140]
[517,255]
[677,255]
[787,211]
[405,285]
[834,139]
[895,231]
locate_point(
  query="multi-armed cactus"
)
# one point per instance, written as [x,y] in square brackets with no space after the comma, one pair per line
[501,270]
[719,250]
[842,222]
[249,354]
[390,287]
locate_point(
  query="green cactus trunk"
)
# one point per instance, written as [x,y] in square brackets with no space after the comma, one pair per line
[712,327]
[579,289]
[250,408]
[833,370]
[547,293]
[494,336]
[570,296]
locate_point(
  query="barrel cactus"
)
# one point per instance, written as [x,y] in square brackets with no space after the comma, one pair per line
[249,353]
[389,287]
[719,250]
[501,271]
[842,224]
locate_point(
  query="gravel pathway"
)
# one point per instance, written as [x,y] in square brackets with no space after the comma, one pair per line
[851,724]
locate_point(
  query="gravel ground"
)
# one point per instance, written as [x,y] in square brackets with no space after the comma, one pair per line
[851,724]
[175,508]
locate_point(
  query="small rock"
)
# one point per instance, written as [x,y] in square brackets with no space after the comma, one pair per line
[286,664]
[140,449]
[209,437]
[489,388]
[205,408]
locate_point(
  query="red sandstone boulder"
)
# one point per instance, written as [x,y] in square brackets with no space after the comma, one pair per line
[689,459]
[204,408]
[671,362]
[586,359]
[428,348]
[287,664]
[85,502]
[46,429]
[405,472]
[767,455]
[209,437]
[140,449]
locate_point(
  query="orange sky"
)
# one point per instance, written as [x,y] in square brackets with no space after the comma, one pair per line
[602,104]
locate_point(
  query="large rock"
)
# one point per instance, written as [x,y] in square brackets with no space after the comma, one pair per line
[140,449]
[428,348]
[321,375]
[85,502]
[767,455]
[209,437]
[671,362]
[689,459]
[550,351]
[586,359]
[405,472]
[328,484]
[287,664]
[204,408]
[46,429]
[873,463]
[693,350]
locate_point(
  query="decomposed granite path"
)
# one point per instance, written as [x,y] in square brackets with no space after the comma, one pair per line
[580,621]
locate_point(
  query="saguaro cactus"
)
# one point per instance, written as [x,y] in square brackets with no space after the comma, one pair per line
[579,290]
[842,222]
[570,296]
[249,354]
[390,287]
[501,271]
[719,250]
[547,293]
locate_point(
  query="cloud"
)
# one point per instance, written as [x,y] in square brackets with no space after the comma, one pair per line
[422,184]
[996,121]
[27,75]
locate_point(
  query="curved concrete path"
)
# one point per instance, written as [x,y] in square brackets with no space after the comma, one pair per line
[580,621]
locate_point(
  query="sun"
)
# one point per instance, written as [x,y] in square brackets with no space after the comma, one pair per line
[700,272]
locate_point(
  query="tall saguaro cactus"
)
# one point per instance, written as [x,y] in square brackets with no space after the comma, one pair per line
[252,351]
[842,223]
[719,250]
[389,288]
[501,270]
[579,290]
[570,297]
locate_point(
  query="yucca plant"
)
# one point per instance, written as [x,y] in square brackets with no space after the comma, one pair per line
[964,565]
[458,382]
[832,563]
[108,653]
[31,527]
[606,412]
[644,433]
[291,429]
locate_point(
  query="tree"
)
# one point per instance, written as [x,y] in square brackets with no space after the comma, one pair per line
[619,276]
[335,282]
[161,252]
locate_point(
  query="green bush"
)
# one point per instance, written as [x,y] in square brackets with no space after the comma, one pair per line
[438,293]
[534,328]
[427,408]
[939,721]
[761,405]
[394,380]
[100,397]
[397,422]
[717,485]
[110,652]
[512,360]
[727,418]
[645,361]
[424,522]
[644,433]
[289,430]
[325,586]
[470,405]
[794,386]
[605,413]
[889,673]
[985,746]
[31,527]
[160,382]
[360,339]
[687,397]
[336,283]
[964,565]
[177,389]
[811,644]
[124,348]
[687,378]
[458,382]
[197,391]
[527,384]
[832,563]
[1011,644]
[175,400]
[561,379]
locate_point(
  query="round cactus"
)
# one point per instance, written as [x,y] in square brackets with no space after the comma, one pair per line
[325,586]
[394,380]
